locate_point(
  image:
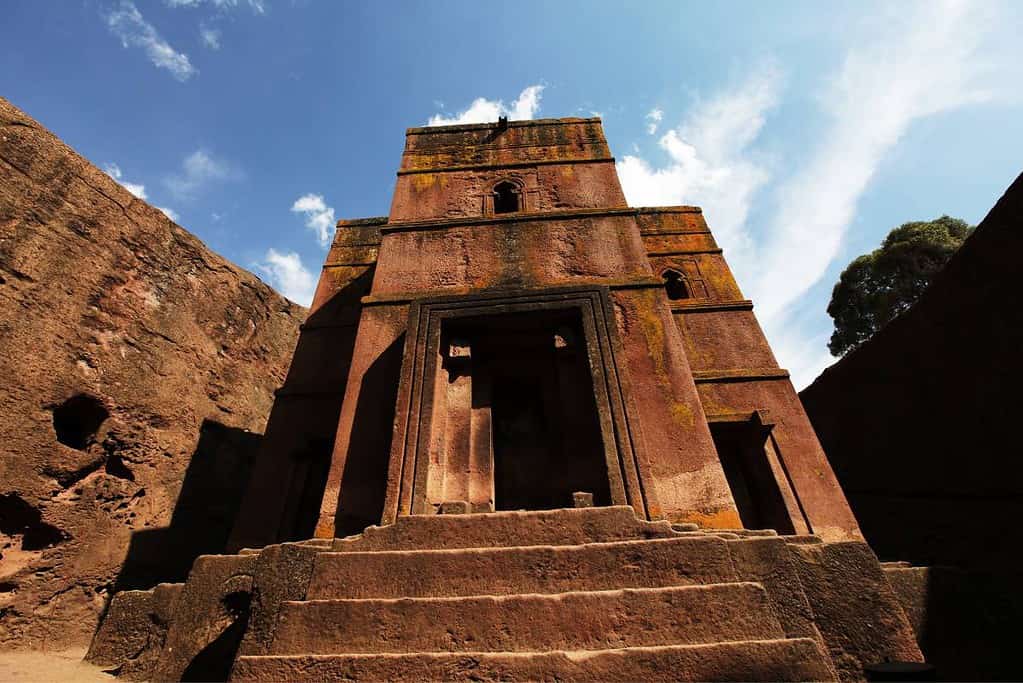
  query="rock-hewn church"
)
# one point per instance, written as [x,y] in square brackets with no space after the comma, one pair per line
[529,432]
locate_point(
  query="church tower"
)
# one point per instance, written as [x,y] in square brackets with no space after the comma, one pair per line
[513,333]
[529,433]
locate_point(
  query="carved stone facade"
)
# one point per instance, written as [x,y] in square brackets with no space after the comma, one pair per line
[678,401]
[526,420]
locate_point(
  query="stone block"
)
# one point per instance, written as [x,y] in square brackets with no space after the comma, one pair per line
[761,660]
[533,569]
[583,620]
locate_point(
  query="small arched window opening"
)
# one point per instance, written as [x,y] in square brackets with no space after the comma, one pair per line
[506,198]
[675,285]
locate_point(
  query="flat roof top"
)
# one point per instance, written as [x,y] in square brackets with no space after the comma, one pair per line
[458,128]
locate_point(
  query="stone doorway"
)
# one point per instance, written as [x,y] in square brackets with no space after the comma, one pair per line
[530,371]
[442,453]
[762,496]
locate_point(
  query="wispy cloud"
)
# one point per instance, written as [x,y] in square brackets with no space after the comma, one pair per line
[257,6]
[708,159]
[923,59]
[653,120]
[114,171]
[210,36]
[482,110]
[288,276]
[318,216]
[921,66]
[128,24]
[199,170]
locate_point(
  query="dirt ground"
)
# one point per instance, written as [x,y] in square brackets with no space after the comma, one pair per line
[58,667]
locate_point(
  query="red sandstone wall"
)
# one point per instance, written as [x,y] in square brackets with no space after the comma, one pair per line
[920,422]
[102,296]
[283,500]
[735,371]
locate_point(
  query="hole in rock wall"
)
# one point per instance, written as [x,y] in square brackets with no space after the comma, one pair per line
[18,518]
[115,467]
[77,420]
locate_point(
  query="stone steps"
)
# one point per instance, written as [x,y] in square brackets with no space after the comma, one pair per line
[577,620]
[533,569]
[567,526]
[797,659]
[572,594]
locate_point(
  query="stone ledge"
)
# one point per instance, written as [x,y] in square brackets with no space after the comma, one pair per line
[513,164]
[462,127]
[520,217]
[682,252]
[745,375]
[359,222]
[567,288]
[712,306]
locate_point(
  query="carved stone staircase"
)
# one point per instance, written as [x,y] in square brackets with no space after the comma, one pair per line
[574,594]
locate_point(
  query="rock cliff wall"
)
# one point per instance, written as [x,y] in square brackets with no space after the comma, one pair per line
[920,424]
[137,369]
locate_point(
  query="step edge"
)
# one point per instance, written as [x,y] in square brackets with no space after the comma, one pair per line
[530,653]
[596,545]
[706,587]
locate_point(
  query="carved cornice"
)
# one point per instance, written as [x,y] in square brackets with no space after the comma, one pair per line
[404,298]
[685,252]
[514,164]
[741,375]
[711,306]
[557,215]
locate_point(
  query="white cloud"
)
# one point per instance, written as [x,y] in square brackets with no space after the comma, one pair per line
[114,171]
[708,161]
[127,23]
[210,36]
[169,213]
[919,60]
[482,110]
[654,118]
[137,189]
[288,275]
[198,171]
[318,216]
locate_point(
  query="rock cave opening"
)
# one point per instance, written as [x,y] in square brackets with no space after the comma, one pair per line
[77,420]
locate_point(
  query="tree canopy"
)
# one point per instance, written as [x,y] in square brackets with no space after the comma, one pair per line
[878,286]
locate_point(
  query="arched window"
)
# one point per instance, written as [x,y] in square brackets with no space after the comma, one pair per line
[506,197]
[675,285]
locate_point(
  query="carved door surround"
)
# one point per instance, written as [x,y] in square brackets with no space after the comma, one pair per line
[623,451]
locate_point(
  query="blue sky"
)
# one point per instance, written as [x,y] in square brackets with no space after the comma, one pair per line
[806,130]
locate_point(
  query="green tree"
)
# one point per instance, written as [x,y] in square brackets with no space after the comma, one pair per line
[878,286]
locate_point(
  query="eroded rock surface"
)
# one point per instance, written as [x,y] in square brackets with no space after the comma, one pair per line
[137,368]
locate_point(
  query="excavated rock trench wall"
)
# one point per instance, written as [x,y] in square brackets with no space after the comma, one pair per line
[137,370]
